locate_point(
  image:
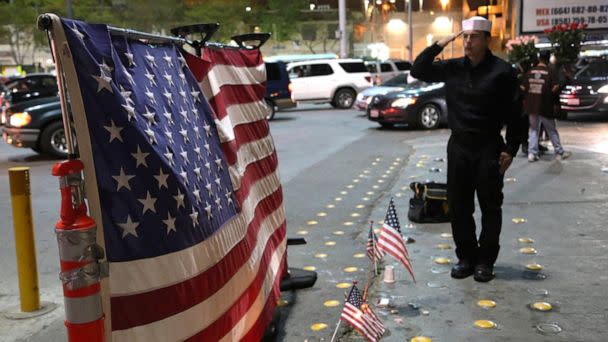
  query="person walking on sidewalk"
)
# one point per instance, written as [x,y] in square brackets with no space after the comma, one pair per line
[482,94]
[540,86]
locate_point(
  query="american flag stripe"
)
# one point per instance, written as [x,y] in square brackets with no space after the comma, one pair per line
[262,149]
[142,309]
[375,321]
[393,238]
[354,316]
[235,94]
[196,259]
[221,76]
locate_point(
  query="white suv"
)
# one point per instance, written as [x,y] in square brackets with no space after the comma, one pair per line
[384,71]
[336,81]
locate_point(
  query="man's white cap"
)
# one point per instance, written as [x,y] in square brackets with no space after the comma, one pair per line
[477,24]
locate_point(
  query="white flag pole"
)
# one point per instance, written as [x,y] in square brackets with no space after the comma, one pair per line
[336,331]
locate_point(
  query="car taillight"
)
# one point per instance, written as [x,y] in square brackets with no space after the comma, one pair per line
[290,87]
[368,79]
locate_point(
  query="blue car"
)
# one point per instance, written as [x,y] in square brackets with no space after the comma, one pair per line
[278,87]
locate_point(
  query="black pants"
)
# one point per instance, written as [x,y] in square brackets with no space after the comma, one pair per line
[473,167]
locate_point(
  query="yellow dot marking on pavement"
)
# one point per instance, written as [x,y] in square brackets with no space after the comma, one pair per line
[331,303]
[343,285]
[398,159]
[302,232]
[444,246]
[378,159]
[330,243]
[525,240]
[485,324]
[391,168]
[282,302]
[318,326]
[330,206]
[338,199]
[420,339]
[528,250]
[442,261]
[486,304]
[338,232]
[375,186]
[404,188]
[518,220]
[420,165]
[348,223]
[388,172]
[351,269]
[312,223]
[350,186]
[446,235]
[374,163]
[360,206]
[359,255]
[309,268]
[395,163]
[381,222]
[398,194]
[412,177]
[365,199]
[321,214]
[380,181]
[541,306]
[355,215]
[384,176]
[369,193]
[355,181]
[320,255]
[511,180]
[534,267]
[343,192]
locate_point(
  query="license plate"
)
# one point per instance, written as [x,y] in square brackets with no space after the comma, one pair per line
[374,113]
[574,102]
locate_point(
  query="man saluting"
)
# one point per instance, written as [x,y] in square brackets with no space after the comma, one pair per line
[482,96]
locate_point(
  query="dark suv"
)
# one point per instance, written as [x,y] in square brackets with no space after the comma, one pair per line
[588,92]
[26,88]
[278,87]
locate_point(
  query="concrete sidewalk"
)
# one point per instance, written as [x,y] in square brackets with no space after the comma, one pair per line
[564,205]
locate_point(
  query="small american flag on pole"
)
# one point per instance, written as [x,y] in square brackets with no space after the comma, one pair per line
[391,241]
[356,314]
[373,252]
[194,231]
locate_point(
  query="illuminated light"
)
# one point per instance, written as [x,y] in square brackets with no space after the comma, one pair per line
[403,103]
[442,261]
[442,24]
[309,268]
[331,303]
[350,269]
[534,267]
[396,25]
[19,119]
[318,326]
[312,223]
[485,324]
[330,243]
[343,285]
[247,9]
[321,255]
[486,304]
[429,39]
[527,250]
[541,306]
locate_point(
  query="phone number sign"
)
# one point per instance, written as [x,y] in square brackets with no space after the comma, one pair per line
[538,15]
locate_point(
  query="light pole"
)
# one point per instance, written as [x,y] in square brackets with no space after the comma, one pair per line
[342,27]
[410,29]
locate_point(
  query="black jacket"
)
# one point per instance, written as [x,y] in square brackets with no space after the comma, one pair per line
[481,99]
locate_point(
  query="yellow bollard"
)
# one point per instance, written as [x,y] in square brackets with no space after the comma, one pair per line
[19,179]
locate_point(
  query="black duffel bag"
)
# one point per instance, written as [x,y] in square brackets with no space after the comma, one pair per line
[429,204]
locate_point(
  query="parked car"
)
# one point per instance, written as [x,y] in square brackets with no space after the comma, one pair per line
[31,87]
[334,81]
[385,70]
[588,92]
[396,83]
[278,87]
[420,104]
[36,124]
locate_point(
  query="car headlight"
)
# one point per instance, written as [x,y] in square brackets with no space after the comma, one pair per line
[603,89]
[369,99]
[403,102]
[20,119]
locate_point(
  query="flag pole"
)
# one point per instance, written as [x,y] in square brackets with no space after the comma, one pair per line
[340,318]
[374,258]
[336,331]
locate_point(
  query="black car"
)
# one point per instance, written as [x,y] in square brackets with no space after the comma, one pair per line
[30,87]
[36,124]
[278,87]
[588,92]
[420,104]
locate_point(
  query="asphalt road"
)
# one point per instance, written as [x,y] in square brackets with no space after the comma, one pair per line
[337,159]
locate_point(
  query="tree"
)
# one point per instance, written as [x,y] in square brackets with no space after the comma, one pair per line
[19,28]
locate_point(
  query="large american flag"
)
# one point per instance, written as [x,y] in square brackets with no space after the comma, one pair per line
[192,214]
[391,241]
[357,314]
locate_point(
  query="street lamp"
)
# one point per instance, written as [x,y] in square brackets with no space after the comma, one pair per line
[444,4]
[247,9]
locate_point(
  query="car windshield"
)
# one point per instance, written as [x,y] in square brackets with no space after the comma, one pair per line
[397,81]
[598,69]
